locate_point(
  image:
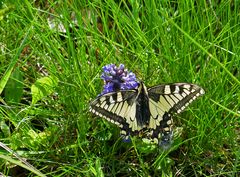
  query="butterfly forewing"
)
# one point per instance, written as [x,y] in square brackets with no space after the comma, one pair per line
[118,108]
[174,98]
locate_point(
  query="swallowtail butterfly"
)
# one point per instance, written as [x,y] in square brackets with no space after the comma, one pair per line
[146,111]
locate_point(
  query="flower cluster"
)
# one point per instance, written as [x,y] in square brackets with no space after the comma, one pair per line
[118,78]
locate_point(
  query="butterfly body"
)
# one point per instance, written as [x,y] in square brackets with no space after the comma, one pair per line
[146,112]
[142,106]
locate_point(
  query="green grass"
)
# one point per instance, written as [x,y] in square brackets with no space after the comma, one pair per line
[48,78]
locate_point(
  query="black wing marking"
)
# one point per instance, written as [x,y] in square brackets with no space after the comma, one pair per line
[166,100]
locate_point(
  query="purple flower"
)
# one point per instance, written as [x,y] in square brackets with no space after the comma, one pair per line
[118,78]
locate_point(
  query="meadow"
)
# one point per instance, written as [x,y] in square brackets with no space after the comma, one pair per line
[51,59]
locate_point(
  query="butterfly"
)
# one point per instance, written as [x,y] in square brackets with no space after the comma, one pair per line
[146,112]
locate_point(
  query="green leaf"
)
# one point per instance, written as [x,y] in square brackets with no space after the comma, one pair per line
[10,68]
[43,87]
[5,11]
[22,164]
[14,88]
[5,128]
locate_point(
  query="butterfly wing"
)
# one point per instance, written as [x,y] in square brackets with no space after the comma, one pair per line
[146,110]
[118,108]
[166,100]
